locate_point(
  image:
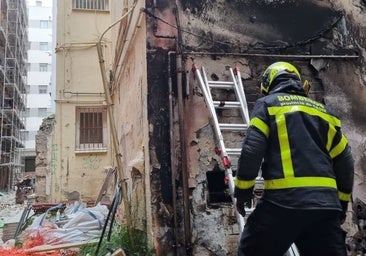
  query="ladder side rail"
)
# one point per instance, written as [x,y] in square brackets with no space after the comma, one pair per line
[292,251]
[240,219]
[208,98]
[240,94]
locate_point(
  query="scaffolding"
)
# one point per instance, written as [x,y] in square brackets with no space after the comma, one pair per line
[13,72]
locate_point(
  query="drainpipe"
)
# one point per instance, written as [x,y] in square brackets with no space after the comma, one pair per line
[185,176]
[172,154]
[108,97]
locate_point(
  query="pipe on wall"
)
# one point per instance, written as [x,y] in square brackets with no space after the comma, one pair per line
[181,111]
[121,174]
[172,152]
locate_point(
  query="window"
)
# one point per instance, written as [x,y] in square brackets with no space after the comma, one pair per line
[27,112]
[101,5]
[91,130]
[43,67]
[32,135]
[42,112]
[43,46]
[43,23]
[42,89]
[25,135]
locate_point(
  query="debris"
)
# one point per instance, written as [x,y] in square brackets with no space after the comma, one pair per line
[24,188]
[356,244]
[119,252]
[43,248]
[74,225]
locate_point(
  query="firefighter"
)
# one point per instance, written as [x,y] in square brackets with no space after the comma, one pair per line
[304,158]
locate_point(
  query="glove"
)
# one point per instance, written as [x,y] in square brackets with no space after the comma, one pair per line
[240,205]
[243,198]
[344,205]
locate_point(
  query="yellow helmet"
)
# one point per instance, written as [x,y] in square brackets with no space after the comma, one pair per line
[273,71]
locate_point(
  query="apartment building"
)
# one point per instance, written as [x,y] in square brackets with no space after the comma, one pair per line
[39,104]
[13,73]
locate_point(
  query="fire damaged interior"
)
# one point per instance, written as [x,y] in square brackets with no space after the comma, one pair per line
[192,215]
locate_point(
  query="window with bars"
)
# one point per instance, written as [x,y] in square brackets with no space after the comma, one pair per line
[101,5]
[91,130]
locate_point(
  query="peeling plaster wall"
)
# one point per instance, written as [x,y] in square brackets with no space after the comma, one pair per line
[248,34]
[131,121]
[78,174]
[347,96]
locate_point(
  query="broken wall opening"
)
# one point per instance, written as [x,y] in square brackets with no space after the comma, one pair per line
[218,189]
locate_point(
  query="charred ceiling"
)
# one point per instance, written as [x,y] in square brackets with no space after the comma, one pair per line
[269,26]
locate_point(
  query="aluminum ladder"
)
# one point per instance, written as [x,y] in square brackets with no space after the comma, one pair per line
[226,154]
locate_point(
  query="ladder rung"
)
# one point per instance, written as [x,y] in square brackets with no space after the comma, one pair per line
[233,151]
[221,84]
[233,127]
[226,104]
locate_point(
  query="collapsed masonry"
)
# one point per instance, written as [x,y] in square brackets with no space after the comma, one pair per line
[44,164]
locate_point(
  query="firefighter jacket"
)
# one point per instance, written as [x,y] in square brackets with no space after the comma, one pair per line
[305,159]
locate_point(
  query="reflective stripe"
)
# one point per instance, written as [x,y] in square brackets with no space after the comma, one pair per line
[309,110]
[339,147]
[284,146]
[262,126]
[295,182]
[244,184]
[344,196]
[331,133]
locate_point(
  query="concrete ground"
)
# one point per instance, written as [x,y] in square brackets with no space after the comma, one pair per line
[10,212]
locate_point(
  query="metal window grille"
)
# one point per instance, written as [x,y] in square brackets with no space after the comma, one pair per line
[91,130]
[101,5]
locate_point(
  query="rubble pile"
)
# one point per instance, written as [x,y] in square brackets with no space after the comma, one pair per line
[59,227]
[357,243]
[10,212]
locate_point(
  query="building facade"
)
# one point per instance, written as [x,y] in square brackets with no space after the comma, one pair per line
[81,146]
[13,74]
[39,83]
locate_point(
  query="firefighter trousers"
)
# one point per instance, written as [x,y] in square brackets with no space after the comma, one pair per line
[270,230]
